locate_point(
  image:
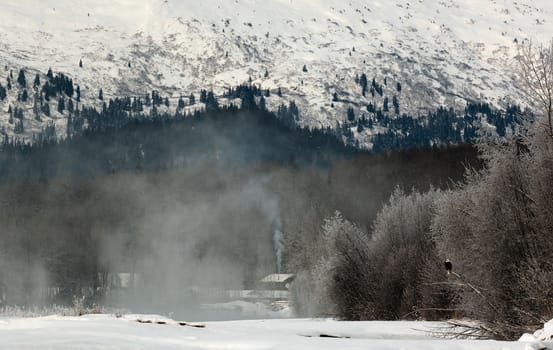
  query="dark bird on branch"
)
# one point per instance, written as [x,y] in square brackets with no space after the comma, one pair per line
[448,266]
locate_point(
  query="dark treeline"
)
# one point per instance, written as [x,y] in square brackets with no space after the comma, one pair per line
[391,129]
[187,201]
[114,142]
[442,126]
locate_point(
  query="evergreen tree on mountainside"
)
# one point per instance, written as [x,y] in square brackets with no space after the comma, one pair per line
[36,109]
[19,127]
[211,103]
[351,114]
[3,93]
[21,79]
[191,99]
[58,84]
[289,115]
[247,93]
[364,83]
[46,109]
[395,103]
[157,100]
[101,95]
[370,108]
[375,87]
[70,106]
[68,87]
[24,95]
[18,113]
[48,91]
[262,103]
[136,105]
[61,104]
[203,96]
[36,82]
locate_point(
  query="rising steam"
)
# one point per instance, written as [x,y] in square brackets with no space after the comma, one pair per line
[278,241]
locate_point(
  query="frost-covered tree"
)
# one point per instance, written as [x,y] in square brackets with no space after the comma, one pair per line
[312,291]
[496,228]
[358,277]
[535,72]
[401,256]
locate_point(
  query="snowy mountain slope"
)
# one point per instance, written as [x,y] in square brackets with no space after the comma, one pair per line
[441,52]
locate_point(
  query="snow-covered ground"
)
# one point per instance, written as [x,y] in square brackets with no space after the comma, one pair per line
[441,52]
[156,332]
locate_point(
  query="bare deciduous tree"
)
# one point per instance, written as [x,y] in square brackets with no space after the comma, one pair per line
[535,73]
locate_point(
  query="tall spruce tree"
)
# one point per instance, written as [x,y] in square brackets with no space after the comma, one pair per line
[21,79]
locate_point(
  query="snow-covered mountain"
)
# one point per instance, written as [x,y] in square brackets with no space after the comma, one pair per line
[441,52]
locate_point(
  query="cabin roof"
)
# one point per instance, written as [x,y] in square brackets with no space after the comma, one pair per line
[278,278]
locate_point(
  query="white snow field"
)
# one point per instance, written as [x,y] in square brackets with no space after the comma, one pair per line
[110,332]
[441,52]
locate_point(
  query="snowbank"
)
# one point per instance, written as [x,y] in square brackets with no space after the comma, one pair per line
[152,331]
[541,339]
